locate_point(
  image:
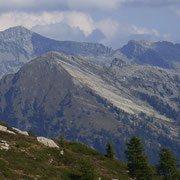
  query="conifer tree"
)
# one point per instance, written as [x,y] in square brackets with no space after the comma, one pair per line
[109,151]
[138,166]
[167,165]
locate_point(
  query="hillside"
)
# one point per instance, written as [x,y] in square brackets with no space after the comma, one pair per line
[92,104]
[26,158]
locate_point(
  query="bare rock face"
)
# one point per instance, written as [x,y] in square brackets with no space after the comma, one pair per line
[21,132]
[47,142]
[4,129]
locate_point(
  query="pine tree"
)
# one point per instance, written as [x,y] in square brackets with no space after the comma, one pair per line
[138,166]
[109,151]
[167,165]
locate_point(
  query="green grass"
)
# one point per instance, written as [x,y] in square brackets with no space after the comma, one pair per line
[28,159]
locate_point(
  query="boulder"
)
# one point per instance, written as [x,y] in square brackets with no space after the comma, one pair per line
[47,142]
[62,152]
[21,132]
[4,145]
[4,129]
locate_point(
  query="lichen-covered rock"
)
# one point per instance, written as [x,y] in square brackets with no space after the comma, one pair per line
[21,132]
[4,145]
[47,142]
[4,129]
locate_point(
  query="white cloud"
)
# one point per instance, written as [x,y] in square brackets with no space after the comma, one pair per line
[109,27]
[29,20]
[142,30]
[73,25]
[117,34]
[154,33]
[81,20]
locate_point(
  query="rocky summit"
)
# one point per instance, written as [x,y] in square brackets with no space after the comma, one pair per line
[58,94]
[19,45]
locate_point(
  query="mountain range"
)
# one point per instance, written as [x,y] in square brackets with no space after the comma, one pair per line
[19,45]
[91,93]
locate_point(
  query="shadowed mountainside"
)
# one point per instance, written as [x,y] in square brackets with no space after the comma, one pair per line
[56,93]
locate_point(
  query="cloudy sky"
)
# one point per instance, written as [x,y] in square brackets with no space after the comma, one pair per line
[111,22]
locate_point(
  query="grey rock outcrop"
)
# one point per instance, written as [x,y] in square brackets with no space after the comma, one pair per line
[47,142]
[4,145]
[21,132]
[4,129]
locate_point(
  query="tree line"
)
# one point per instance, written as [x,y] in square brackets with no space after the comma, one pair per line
[138,166]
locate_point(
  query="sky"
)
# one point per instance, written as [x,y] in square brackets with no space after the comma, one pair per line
[110,22]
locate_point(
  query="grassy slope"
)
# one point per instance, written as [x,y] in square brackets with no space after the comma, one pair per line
[28,159]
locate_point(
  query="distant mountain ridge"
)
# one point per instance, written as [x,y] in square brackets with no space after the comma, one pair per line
[92,104]
[19,45]
[162,54]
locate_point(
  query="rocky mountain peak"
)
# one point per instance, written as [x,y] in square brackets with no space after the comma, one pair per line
[18,36]
[142,43]
[18,33]
[44,64]
[135,48]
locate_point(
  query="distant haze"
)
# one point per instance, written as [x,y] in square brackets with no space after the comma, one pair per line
[112,23]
